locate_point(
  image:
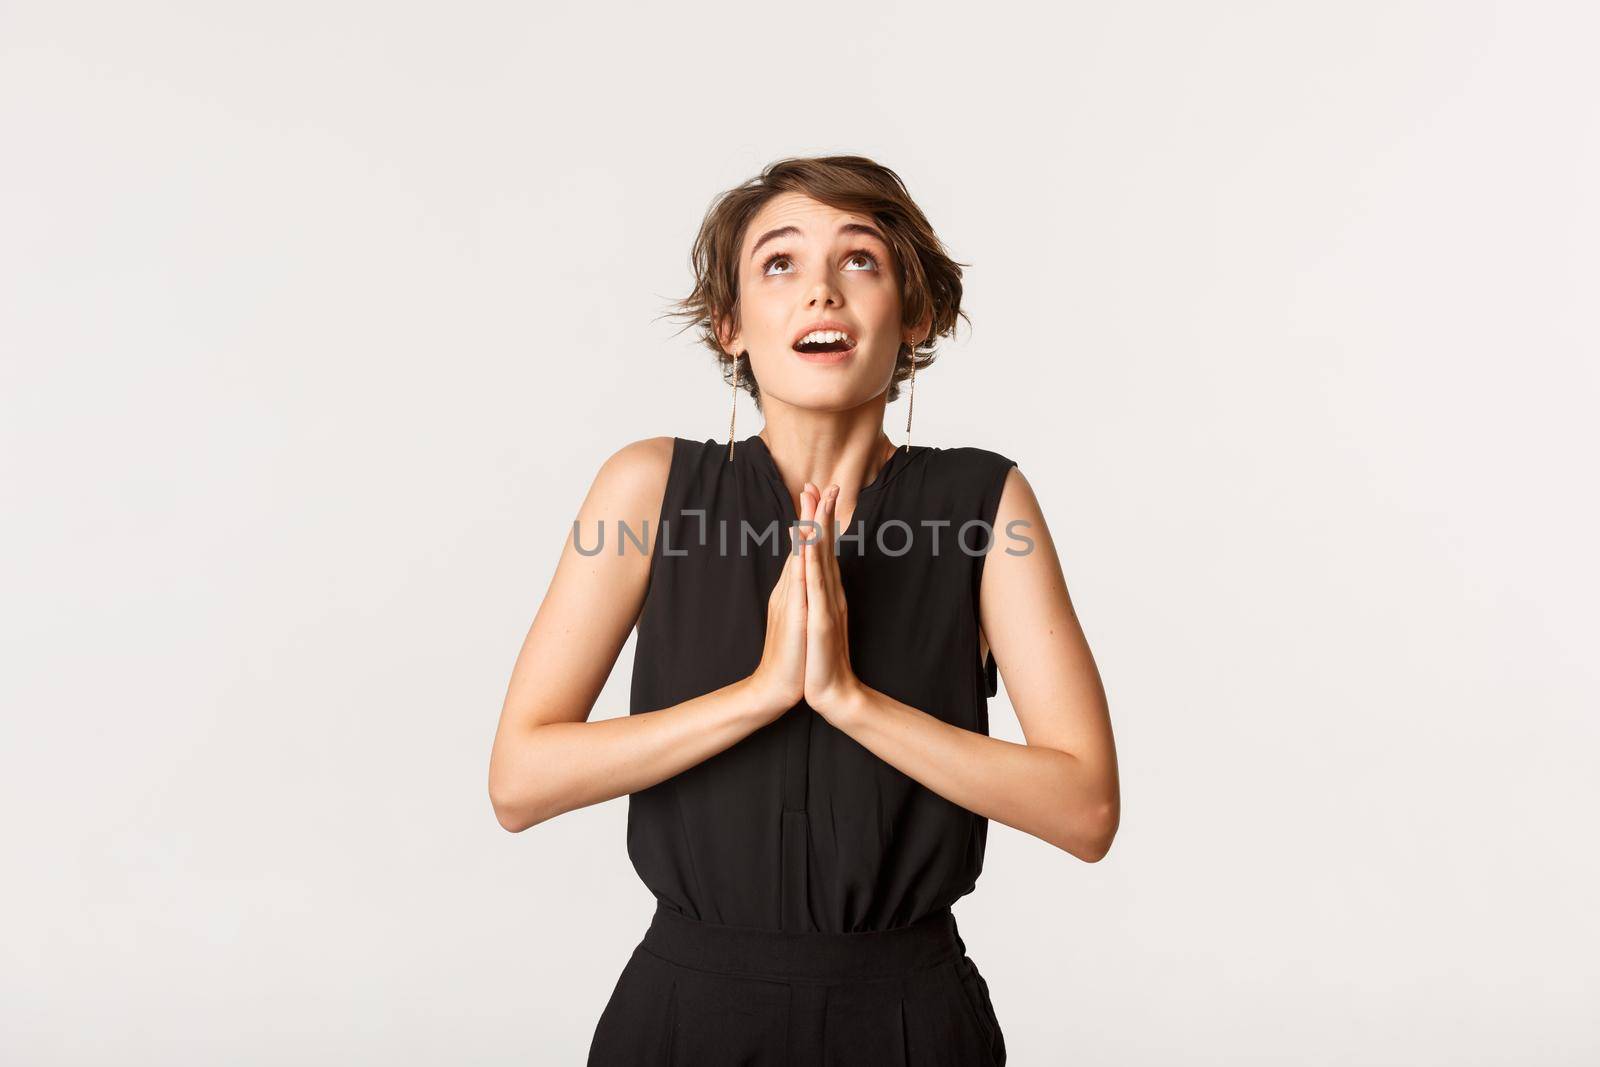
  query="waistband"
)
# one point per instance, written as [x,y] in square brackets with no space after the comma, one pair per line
[794,954]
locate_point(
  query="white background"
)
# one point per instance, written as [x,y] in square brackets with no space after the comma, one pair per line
[318,319]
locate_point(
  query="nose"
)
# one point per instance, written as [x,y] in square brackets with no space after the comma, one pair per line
[824,293]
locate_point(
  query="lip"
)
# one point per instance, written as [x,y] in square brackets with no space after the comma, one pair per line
[826,357]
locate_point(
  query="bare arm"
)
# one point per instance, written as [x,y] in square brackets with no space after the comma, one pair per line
[1062,785]
[547,758]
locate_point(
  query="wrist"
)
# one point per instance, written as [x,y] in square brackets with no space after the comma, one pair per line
[760,700]
[847,704]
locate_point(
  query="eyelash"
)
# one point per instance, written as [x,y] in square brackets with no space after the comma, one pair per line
[766,264]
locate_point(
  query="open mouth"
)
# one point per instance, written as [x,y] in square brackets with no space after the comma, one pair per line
[824,341]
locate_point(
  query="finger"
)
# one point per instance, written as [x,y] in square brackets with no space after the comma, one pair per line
[812,498]
[825,513]
[813,573]
[805,534]
[802,529]
[831,579]
[838,585]
[797,578]
[796,566]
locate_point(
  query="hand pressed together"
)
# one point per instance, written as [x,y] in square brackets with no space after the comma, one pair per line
[807,651]
[830,680]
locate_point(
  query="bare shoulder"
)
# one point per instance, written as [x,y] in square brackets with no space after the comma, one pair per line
[628,492]
[645,460]
[1024,551]
[1017,499]
[633,480]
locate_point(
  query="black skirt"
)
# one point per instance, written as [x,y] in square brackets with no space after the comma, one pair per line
[699,994]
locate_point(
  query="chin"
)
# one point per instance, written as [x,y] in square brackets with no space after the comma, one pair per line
[823,395]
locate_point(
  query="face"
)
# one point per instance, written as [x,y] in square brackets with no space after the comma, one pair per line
[801,264]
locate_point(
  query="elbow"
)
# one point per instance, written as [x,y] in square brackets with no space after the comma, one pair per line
[510,821]
[508,812]
[1093,836]
[514,808]
[1095,850]
[517,790]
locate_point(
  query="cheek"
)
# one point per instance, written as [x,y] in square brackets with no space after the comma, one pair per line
[876,300]
[763,310]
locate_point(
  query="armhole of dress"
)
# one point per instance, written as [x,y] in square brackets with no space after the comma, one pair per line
[660,527]
[988,509]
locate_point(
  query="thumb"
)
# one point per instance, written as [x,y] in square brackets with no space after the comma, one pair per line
[794,573]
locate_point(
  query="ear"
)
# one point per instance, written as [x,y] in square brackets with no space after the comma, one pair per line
[729,338]
[919,333]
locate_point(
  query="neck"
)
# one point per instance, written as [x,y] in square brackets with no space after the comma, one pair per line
[847,448]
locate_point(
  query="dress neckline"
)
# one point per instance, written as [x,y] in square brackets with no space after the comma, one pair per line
[757,446]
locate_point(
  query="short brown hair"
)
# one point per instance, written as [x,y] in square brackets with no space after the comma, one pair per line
[930,279]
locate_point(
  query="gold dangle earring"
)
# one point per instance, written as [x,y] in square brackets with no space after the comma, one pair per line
[734,414]
[912,399]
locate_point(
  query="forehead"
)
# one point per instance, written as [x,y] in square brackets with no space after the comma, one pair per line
[812,217]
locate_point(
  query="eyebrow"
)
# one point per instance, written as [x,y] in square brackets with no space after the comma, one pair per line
[794,231]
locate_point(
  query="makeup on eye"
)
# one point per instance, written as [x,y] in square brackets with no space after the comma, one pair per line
[766,264]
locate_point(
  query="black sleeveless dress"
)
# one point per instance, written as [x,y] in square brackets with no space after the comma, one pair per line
[797,859]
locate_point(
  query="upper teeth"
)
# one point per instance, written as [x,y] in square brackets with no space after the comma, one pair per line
[823,337]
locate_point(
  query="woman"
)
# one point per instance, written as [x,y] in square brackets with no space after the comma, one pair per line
[807,760]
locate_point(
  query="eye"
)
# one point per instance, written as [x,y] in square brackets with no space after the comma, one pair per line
[766,265]
[861,253]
